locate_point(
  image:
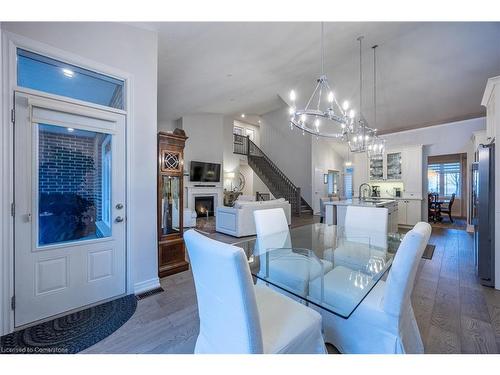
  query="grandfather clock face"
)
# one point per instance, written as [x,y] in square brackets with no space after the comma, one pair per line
[171,161]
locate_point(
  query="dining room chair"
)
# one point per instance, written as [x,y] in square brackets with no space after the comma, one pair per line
[364,236]
[384,322]
[447,207]
[238,317]
[279,261]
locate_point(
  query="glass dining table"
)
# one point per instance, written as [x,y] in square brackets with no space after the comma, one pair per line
[328,266]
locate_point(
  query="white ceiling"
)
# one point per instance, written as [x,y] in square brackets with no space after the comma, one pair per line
[428,73]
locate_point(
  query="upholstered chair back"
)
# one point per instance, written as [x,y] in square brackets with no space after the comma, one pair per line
[272,229]
[400,281]
[367,224]
[229,319]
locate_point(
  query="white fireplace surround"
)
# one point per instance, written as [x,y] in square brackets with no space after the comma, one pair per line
[196,191]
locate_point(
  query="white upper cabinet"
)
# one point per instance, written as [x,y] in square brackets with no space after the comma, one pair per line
[412,172]
[360,171]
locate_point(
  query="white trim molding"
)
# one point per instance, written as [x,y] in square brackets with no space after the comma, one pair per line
[147,285]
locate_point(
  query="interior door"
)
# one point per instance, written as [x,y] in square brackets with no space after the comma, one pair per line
[70,207]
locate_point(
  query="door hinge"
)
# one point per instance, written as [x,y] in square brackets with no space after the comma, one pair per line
[13,115]
[13,209]
[13,302]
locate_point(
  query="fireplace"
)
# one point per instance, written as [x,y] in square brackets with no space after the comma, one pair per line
[204,206]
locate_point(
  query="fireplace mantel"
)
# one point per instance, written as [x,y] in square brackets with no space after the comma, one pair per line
[215,191]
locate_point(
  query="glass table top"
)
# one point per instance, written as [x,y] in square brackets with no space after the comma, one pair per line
[328,266]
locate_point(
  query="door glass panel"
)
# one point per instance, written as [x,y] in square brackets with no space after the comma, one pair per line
[394,166]
[170,205]
[74,184]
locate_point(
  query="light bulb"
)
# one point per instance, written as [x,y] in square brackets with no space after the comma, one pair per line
[352,113]
[345,105]
[316,123]
[343,126]
[242,115]
[367,137]
[330,96]
[291,110]
[68,72]
[292,96]
[303,117]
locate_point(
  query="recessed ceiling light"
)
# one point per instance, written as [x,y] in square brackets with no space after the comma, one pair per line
[229,75]
[242,115]
[71,130]
[68,72]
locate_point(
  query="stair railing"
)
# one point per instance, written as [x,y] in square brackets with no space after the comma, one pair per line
[279,183]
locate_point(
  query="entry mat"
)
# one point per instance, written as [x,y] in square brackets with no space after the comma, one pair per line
[71,333]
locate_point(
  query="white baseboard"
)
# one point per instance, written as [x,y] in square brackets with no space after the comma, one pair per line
[146,285]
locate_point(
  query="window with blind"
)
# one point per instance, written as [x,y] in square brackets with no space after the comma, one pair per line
[348,183]
[445,178]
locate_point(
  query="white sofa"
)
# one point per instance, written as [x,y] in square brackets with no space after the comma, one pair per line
[238,221]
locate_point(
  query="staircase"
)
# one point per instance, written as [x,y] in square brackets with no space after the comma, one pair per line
[277,182]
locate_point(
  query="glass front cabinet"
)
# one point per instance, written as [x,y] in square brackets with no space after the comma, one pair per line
[171,251]
[386,168]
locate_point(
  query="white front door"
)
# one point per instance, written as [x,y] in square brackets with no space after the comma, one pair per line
[69,207]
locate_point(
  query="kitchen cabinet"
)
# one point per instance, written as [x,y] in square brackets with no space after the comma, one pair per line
[411,168]
[409,211]
[387,167]
[360,171]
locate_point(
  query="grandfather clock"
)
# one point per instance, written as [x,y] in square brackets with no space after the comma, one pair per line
[171,252]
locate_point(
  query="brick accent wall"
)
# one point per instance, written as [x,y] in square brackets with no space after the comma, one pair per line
[71,164]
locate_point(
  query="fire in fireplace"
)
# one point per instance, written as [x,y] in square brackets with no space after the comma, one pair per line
[204,206]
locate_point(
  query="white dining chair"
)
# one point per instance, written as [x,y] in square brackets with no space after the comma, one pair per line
[363,226]
[384,322]
[278,260]
[238,317]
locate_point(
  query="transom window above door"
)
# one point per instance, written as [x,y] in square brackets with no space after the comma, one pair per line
[45,74]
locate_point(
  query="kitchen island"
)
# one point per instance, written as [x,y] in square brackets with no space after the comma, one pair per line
[335,210]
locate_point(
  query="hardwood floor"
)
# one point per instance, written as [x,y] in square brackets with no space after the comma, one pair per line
[454,312]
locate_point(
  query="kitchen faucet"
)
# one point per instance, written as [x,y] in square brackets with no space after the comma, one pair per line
[361,194]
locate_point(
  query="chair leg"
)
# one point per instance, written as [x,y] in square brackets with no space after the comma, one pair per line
[449,215]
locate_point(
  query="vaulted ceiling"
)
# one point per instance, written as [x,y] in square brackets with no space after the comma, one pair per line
[427,73]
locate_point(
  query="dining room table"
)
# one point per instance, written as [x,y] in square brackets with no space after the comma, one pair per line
[325,266]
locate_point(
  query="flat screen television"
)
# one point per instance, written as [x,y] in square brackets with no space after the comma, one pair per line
[204,172]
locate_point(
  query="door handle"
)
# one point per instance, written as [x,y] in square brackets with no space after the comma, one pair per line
[119,206]
[119,219]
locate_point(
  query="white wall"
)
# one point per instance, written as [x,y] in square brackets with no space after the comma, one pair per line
[451,138]
[324,158]
[288,149]
[205,142]
[135,51]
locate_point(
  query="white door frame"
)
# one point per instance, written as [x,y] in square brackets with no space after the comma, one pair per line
[9,43]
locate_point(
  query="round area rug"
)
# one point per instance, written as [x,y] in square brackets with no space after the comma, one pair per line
[71,333]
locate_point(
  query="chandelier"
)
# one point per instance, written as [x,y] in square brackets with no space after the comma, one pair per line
[322,115]
[364,138]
